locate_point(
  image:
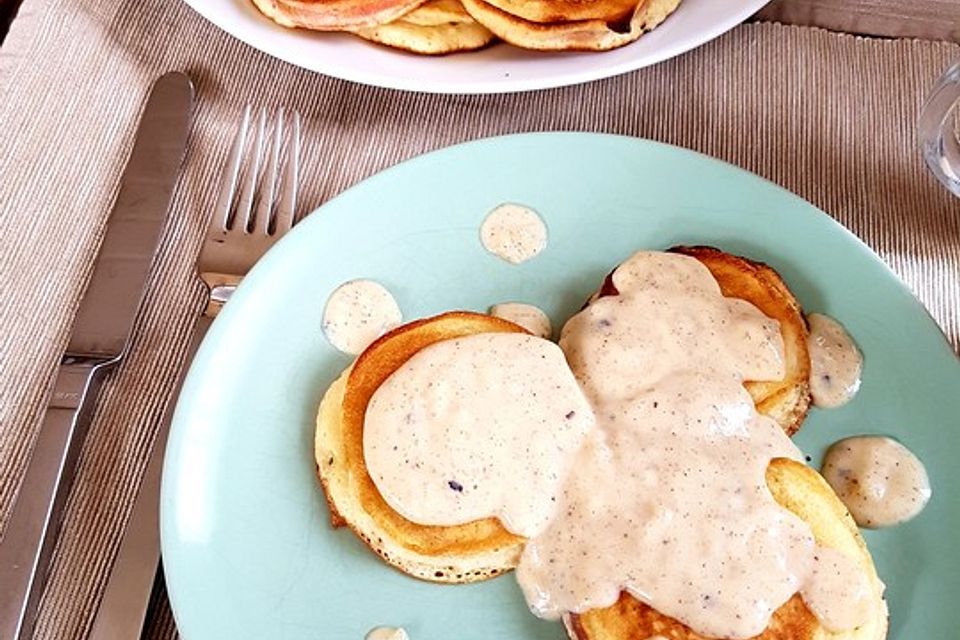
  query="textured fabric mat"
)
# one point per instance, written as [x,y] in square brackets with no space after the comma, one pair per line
[828,116]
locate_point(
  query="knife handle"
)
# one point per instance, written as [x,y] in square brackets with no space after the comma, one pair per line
[123,608]
[35,520]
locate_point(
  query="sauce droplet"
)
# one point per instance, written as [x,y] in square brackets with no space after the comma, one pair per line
[835,362]
[881,482]
[527,316]
[513,232]
[357,313]
[387,633]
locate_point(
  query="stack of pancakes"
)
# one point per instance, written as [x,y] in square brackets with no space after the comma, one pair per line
[447,26]
[484,548]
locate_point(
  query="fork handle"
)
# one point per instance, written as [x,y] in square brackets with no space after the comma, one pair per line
[30,534]
[123,608]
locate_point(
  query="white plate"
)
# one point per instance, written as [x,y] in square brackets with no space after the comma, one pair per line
[497,69]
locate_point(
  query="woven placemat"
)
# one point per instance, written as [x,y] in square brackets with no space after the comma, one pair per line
[828,116]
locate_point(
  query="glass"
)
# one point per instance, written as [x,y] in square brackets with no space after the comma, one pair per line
[937,129]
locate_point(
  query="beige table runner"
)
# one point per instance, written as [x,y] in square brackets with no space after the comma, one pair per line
[828,116]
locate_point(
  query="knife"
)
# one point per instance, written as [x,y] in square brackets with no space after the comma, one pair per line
[98,341]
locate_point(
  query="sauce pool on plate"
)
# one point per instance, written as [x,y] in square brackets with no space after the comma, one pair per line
[513,232]
[880,481]
[357,313]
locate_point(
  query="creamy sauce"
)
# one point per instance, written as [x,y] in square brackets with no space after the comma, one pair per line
[476,427]
[357,313]
[679,440]
[387,633]
[531,318]
[513,232]
[835,362]
[879,480]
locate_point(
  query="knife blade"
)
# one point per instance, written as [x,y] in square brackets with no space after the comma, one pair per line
[98,341]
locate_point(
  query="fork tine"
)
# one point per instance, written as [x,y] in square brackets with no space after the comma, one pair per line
[228,182]
[244,211]
[287,206]
[265,199]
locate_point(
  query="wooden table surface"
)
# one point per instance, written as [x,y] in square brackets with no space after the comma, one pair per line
[930,19]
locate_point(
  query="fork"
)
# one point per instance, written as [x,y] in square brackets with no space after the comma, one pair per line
[254,208]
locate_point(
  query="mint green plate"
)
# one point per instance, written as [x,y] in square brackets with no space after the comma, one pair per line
[247,545]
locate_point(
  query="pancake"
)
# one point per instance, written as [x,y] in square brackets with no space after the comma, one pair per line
[437,27]
[463,553]
[335,15]
[594,34]
[801,490]
[788,400]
